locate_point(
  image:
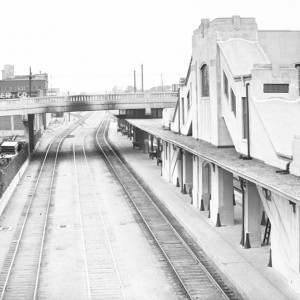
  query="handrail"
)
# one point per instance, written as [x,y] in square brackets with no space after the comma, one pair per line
[89,98]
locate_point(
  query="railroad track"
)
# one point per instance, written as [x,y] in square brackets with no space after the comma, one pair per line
[102,272]
[194,275]
[19,277]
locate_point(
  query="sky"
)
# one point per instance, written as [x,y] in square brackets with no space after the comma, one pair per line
[93,45]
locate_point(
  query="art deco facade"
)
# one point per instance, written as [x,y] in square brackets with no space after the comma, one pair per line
[240,103]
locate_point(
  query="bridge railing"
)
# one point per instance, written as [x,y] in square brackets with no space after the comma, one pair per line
[88,98]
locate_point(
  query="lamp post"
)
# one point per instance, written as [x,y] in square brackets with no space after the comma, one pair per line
[30,77]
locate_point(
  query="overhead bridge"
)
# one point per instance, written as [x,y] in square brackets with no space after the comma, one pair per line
[36,105]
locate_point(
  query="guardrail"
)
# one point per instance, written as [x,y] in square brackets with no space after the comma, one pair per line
[89,98]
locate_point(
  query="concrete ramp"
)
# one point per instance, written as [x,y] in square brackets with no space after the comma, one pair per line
[281,120]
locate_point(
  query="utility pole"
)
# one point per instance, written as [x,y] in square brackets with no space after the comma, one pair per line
[162,83]
[142,79]
[134,83]
[30,77]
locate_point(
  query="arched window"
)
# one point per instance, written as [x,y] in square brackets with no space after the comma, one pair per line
[204,81]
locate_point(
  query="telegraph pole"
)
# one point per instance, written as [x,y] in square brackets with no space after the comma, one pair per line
[30,77]
[142,79]
[134,82]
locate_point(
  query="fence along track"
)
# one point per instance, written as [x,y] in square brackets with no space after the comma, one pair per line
[20,275]
[104,281]
[195,279]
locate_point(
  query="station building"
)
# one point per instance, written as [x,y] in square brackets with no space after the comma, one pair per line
[236,127]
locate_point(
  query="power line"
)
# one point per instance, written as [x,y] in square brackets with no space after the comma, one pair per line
[112,75]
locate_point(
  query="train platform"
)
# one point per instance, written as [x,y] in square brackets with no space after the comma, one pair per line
[247,269]
[228,159]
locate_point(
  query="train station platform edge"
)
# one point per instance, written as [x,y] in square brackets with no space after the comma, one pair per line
[246,269]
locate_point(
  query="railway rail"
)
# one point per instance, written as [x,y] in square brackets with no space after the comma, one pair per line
[99,255]
[194,275]
[23,267]
[19,278]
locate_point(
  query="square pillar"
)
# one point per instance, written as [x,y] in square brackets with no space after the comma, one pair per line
[197,181]
[252,214]
[29,131]
[226,208]
[221,201]
[187,171]
[206,185]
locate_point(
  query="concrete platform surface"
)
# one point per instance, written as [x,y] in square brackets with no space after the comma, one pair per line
[245,268]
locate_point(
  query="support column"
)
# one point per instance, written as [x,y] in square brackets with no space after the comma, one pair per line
[140,138]
[221,204]
[206,186]
[226,208]
[151,140]
[12,122]
[146,142]
[29,131]
[44,121]
[197,181]
[252,215]
[187,171]
[135,134]
[131,131]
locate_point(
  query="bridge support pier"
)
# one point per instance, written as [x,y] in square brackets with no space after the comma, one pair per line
[29,131]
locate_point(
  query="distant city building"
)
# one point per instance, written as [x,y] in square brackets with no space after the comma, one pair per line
[19,85]
[175,87]
[53,92]
[8,72]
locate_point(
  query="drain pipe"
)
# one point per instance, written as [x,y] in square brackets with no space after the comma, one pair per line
[243,211]
[181,156]
[178,111]
[248,157]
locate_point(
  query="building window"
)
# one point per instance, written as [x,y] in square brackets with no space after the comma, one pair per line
[188,101]
[245,117]
[276,88]
[298,69]
[204,81]
[233,102]
[156,112]
[225,85]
